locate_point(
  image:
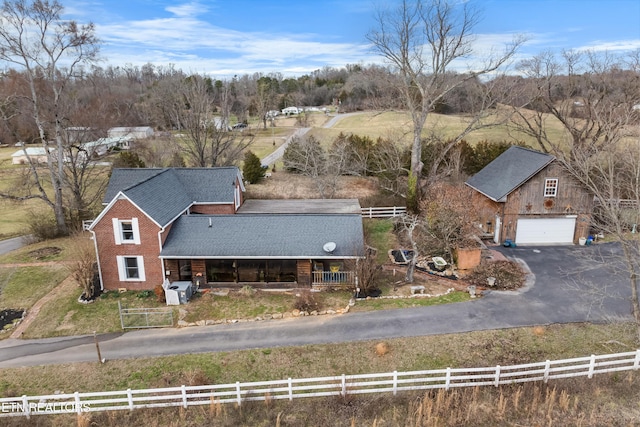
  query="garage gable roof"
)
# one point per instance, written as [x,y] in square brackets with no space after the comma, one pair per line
[280,236]
[509,171]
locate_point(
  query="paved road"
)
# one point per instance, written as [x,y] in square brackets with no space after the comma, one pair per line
[9,245]
[299,133]
[571,284]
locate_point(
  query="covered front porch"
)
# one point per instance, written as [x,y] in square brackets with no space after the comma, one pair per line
[267,273]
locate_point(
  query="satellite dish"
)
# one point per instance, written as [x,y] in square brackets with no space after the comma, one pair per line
[329,247]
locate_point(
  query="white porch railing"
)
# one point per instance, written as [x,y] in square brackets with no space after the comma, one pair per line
[330,278]
[384,212]
[341,385]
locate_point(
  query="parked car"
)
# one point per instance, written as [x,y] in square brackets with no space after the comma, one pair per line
[239,126]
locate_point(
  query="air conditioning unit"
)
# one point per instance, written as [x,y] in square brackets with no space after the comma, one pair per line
[177,293]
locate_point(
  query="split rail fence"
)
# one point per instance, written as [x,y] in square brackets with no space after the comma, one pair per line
[342,385]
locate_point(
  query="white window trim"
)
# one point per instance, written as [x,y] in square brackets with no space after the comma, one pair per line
[122,272]
[117,231]
[237,196]
[555,192]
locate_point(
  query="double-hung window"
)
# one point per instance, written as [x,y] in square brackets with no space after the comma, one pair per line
[550,187]
[126,231]
[130,268]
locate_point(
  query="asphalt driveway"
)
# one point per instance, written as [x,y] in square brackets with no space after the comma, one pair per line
[568,284]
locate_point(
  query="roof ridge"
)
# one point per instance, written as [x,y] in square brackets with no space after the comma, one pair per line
[533,151]
[160,172]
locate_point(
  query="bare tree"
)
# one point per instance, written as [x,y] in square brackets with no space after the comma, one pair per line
[411,224]
[84,267]
[49,51]
[208,141]
[307,157]
[613,176]
[587,93]
[423,40]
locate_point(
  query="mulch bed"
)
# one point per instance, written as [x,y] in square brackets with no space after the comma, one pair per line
[8,316]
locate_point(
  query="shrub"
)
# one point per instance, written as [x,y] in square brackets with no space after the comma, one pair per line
[42,226]
[306,301]
[144,294]
[159,291]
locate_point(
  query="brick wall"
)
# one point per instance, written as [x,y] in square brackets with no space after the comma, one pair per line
[213,209]
[108,250]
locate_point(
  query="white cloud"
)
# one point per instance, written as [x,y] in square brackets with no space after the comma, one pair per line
[614,46]
[188,42]
[187,9]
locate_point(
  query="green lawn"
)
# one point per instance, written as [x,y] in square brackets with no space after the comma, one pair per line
[379,234]
[21,287]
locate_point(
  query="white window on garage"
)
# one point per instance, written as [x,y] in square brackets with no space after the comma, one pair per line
[551,187]
[131,268]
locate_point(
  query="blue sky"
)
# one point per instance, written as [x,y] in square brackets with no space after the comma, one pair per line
[295,37]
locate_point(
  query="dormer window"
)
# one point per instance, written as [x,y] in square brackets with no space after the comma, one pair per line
[550,187]
[126,231]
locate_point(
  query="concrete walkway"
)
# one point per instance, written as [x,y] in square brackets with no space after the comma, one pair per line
[561,291]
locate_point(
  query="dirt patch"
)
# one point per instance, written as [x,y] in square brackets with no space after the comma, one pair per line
[8,316]
[45,253]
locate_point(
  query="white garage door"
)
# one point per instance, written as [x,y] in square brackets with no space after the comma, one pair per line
[545,230]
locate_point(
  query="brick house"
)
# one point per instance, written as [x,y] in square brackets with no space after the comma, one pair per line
[177,223]
[527,197]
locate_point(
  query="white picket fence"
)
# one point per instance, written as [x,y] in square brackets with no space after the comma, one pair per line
[342,385]
[384,212]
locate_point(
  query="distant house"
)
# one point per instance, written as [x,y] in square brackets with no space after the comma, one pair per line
[291,110]
[140,132]
[220,123]
[37,155]
[161,226]
[527,197]
[102,146]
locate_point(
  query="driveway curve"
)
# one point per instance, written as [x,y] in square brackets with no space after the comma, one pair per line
[569,284]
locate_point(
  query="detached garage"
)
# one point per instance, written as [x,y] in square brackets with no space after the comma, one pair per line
[529,198]
[545,231]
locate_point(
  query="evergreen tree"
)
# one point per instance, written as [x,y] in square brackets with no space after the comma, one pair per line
[252,170]
[128,159]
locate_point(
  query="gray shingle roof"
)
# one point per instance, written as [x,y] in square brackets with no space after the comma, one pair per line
[509,171]
[264,236]
[162,197]
[122,178]
[165,193]
[209,185]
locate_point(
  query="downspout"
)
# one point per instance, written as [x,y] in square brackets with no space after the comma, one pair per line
[95,245]
[503,226]
[164,273]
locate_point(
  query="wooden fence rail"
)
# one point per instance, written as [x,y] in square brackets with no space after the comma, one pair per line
[342,385]
[384,212]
